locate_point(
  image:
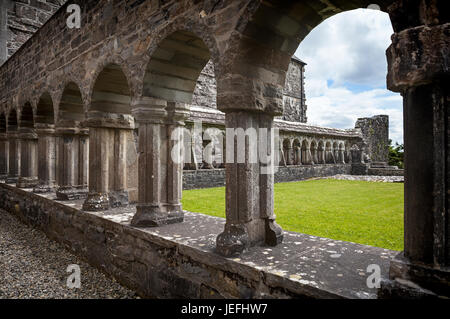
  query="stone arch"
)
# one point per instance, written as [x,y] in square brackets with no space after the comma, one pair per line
[176,59]
[28,148]
[45,112]
[113,177]
[26,116]
[174,67]
[71,107]
[12,123]
[269,33]
[72,144]
[3,122]
[111,82]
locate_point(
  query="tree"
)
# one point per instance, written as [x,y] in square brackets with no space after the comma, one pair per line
[396,153]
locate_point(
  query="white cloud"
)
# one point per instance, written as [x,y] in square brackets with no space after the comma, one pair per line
[346,71]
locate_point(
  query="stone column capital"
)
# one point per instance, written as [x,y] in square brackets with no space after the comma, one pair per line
[12,135]
[147,110]
[27,133]
[98,119]
[61,131]
[45,129]
[418,56]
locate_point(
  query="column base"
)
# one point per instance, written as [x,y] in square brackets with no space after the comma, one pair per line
[3,178]
[27,182]
[11,180]
[71,193]
[118,198]
[96,202]
[155,216]
[99,201]
[274,233]
[233,241]
[42,188]
[408,280]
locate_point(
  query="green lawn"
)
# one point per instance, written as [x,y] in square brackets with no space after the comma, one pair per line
[361,212]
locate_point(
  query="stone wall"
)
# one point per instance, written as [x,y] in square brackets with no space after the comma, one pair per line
[294,93]
[206,178]
[179,261]
[375,132]
[21,19]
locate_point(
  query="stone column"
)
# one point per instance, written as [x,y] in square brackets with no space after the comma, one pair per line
[46,158]
[341,156]
[160,162]
[314,157]
[298,155]
[249,187]
[72,160]
[4,156]
[14,157]
[418,68]
[290,159]
[28,177]
[109,135]
[321,154]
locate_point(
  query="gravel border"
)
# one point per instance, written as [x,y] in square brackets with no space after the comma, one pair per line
[35,267]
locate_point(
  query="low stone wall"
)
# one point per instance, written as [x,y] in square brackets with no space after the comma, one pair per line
[386,172]
[179,260]
[298,173]
[207,178]
[203,178]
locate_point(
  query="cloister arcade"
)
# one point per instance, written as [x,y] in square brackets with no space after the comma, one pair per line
[70,122]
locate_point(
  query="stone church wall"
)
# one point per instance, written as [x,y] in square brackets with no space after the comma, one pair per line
[375,132]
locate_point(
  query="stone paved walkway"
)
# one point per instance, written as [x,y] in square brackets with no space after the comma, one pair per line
[32,266]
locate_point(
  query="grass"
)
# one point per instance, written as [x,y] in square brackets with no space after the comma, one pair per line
[361,212]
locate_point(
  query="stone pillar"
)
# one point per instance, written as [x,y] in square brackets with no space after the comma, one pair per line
[28,177]
[336,155]
[46,158]
[160,162]
[290,157]
[109,135]
[314,157]
[341,156]
[14,157]
[249,188]
[418,68]
[321,151]
[4,156]
[298,155]
[72,163]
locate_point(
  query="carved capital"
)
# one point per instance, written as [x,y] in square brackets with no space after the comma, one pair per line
[418,56]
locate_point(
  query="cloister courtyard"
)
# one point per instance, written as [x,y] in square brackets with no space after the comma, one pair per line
[369,213]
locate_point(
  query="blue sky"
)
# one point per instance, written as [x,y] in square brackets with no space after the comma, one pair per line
[345,76]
